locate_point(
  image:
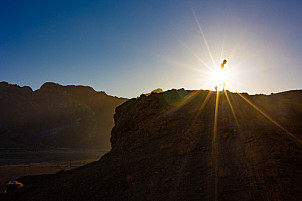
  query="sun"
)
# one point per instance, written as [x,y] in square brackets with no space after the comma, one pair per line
[218,78]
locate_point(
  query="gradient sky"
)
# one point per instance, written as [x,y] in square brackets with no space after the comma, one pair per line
[126,48]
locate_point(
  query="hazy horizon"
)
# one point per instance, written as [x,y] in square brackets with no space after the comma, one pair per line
[130,48]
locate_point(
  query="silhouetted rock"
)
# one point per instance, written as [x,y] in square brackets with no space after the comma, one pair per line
[168,146]
[55,116]
[158,90]
[12,186]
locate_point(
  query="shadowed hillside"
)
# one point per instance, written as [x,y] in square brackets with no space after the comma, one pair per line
[190,145]
[55,116]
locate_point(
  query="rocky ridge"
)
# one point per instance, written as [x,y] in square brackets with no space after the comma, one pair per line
[55,116]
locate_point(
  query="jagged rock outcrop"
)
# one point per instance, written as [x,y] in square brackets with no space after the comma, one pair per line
[55,116]
[191,145]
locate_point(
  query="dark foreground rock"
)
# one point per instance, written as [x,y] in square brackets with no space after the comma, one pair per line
[168,146]
[55,116]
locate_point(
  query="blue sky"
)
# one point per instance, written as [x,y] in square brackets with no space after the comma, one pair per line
[126,48]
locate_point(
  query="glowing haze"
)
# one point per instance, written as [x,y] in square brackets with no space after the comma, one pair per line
[131,47]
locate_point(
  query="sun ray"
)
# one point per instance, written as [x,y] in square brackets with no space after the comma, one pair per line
[214,158]
[184,101]
[205,101]
[252,157]
[231,107]
[234,50]
[200,108]
[246,149]
[202,34]
[203,105]
[195,118]
[270,119]
[191,51]
[188,66]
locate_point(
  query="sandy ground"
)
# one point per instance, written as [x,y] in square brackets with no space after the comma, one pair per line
[15,164]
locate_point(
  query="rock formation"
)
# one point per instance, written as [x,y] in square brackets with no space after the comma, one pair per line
[55,116]
[191,145]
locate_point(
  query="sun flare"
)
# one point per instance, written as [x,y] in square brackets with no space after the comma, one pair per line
[218,78]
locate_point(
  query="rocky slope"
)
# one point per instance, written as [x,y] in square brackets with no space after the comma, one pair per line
[55,116]
[168,146]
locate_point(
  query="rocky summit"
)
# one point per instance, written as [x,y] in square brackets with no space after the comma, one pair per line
[190,145]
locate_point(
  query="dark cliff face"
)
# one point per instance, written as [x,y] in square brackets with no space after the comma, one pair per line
[140,120]
[55,116]
[168,146]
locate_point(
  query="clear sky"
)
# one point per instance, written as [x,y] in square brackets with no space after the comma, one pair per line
[126,48]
